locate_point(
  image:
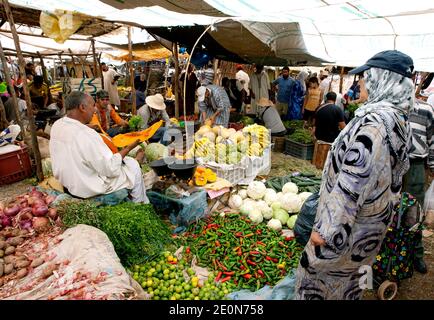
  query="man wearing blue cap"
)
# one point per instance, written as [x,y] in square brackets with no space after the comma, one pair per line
[362,184]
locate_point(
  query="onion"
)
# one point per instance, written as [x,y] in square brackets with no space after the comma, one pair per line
[26,224]
[52,213]
[24,204]
[36,193]
[5,221]
[49,199]
[12,211]
[40,224]
[39,211]
[25,214]
[38,203]
[2,205]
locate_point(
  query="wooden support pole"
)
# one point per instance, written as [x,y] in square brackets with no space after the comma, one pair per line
[100,71]
[95,63]
[12,90]
[4,123]
[341,80]
[30,115]
[132,73]
[175,81]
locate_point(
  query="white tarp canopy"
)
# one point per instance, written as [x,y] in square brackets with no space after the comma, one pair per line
[346,32]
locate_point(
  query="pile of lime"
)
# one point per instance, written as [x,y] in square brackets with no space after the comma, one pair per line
[164,280]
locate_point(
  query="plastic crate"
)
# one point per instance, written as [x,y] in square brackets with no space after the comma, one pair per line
[233,173]
[278,144]
[299,150]
[15,166]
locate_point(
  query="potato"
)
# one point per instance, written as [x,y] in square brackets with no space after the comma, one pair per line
[24,232]
[48,271]
[21,273]
[3,244]
[10,259]
[9,268]
[37,262]
[15,241]
[21,264]
[2,268]
[9,250]
[2,253]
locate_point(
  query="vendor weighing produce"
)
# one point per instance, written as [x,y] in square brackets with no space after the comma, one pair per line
[83,163]
[214,105]
[153,111]
[103,115]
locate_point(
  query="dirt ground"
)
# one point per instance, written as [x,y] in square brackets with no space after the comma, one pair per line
[419,287]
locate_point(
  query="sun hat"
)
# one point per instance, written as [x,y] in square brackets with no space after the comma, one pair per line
[264,102]
[392,60]
[100,94]
[156,102]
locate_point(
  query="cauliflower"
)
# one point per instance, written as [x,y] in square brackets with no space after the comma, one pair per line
[243,193]
[255,216]
[290,187]
[291,203]
[256,190]
[270,196]
[235,202]
[275,224]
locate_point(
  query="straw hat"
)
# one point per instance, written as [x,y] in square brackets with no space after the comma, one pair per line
[156,102]
[264,102]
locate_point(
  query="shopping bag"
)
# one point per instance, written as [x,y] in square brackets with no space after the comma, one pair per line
[428,206]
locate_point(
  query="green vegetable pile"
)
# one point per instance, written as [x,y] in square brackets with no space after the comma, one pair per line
[301,136]
[135,230]
[135,122]
[246,120]
[293,124]
[249,256]
[352,107]
[170,279]
[306,182]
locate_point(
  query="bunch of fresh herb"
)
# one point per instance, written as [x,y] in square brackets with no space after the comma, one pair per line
[301,136]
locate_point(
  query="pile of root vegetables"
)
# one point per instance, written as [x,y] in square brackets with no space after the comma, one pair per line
[29,211]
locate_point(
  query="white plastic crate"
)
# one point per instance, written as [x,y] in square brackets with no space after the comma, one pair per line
[258,166]
[234,173]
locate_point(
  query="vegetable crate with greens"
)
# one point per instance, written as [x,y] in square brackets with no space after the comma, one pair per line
[168,278]
[300,144]
[135,230]
[247,255]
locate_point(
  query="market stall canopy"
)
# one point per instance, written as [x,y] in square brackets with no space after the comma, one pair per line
[346,32]
[148,51]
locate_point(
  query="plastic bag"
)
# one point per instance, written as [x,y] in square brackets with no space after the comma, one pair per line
[9,135]
[306,218]
[60,25]
[428,206]
[283,290]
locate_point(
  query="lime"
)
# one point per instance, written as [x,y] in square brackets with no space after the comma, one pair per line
[178,296]
[190,271]
[196,298]
[195,291]
[136,267]
[153,263]
[156,298]
[143,284]
[178,289]
[166,271]
[136,276]
[166,277]
[187,287]
[149,283]
[172,275]
[149,274]
[172,298]
[158,267]
[172,267]
[143,269]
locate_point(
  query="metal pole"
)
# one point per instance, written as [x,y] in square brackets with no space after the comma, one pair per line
[132,73]
[175,83]
[21,61]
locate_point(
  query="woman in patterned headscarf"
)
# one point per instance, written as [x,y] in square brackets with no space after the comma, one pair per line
[361,184]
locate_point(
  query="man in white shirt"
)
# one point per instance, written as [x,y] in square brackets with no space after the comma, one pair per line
[111,84]
[243,79]
[260,86]
[83,163]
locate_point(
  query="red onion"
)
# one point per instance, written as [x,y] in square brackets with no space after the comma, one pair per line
[40,223]
[24,204]
[25,214]
[36,193]
[38,203]
[26,224]
[39,211]
[49,199]
[5,221]
[12,211]
[52,213]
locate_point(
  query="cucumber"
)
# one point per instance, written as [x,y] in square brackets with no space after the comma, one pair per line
[307,174]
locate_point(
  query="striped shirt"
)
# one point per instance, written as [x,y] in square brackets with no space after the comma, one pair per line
[218,100]
[422,124]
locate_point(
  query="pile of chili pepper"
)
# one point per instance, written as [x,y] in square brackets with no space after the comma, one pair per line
[248,255]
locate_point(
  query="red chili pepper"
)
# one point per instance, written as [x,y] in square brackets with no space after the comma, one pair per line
[249,235]
[261,243]
[221,265]
[219,275]
[247,276]
[251,262]
[239,253]
[254,252]
[217,243]
[172,262]
[242,267]
[229,273]
[226,279]
[259,231]
[268,258]
[187,250]
[261,273]
[274,260]
[239,234]
[289,238]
